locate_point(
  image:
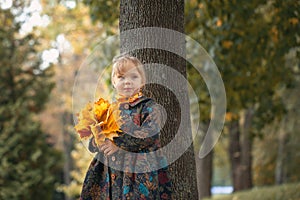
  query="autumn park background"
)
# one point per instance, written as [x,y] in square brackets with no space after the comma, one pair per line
[255,45]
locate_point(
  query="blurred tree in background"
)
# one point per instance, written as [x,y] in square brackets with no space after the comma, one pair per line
[277,154]
[250,42]
[105,11]
[29,165]
[81,159]
[73,34]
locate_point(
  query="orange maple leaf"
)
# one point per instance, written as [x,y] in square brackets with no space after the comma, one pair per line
[100,109]
[85,119]
[108,128]
[99,120]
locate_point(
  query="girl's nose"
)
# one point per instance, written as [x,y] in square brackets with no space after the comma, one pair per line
[127,81]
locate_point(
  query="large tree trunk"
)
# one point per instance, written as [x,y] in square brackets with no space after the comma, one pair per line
[164,14]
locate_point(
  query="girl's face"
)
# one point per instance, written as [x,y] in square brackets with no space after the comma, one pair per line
[129,83]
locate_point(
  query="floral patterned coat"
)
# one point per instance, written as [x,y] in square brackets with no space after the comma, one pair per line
[142,119]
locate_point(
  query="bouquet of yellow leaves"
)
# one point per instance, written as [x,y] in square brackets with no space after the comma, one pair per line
[98,120]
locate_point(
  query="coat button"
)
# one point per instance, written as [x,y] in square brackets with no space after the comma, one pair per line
[126,106]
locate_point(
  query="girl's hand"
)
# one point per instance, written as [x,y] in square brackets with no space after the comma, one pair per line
[108,148]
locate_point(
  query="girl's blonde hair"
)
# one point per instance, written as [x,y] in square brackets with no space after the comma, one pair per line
[120,68]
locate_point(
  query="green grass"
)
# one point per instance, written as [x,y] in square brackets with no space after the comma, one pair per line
[282,192]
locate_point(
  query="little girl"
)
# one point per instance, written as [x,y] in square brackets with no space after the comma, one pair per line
[141,120]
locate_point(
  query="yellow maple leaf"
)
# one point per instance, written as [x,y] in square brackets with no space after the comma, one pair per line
[85,119]
[111,124]
[108,128]
[100,109]
[99,120]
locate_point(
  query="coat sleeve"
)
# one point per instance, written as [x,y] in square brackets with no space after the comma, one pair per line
[92,145]
[143,137]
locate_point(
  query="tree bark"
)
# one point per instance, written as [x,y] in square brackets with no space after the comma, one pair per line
[235,154]
[204,175]
[164,14]
[246,150]
[240,151]
[204,168]
[280,174]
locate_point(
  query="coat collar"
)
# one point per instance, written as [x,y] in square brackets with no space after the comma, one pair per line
[132,101]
